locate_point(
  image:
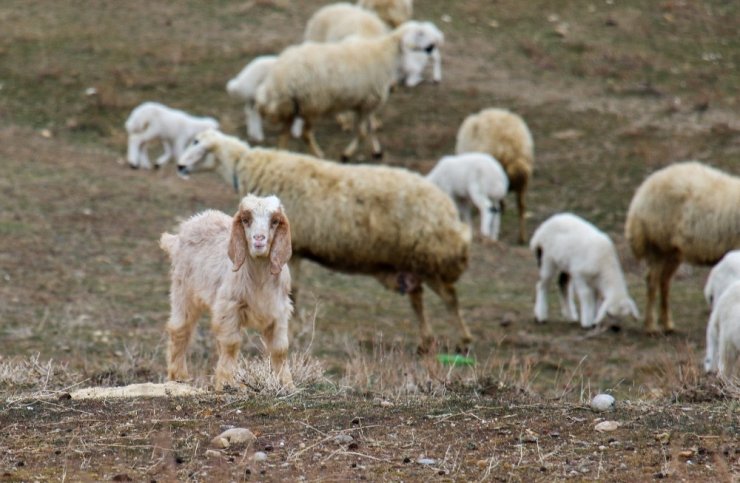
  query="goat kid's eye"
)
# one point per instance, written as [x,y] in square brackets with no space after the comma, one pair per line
[275,223]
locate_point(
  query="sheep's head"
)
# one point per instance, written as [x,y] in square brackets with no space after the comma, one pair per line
[260,229]
[198,155]
[619,309]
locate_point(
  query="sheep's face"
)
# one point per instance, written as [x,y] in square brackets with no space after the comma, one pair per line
[260,229]
[198,155]
[623,309]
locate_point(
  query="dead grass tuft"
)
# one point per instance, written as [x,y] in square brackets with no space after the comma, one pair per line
[31,373]
[258,377]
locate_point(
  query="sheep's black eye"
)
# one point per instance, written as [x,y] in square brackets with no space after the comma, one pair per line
[195,142]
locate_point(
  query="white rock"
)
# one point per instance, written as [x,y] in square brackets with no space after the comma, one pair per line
[426,461]
[233,436]
[607,426]
[260,456]
[603,402]
[343,439]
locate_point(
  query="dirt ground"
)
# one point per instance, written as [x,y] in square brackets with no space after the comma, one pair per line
[612,91]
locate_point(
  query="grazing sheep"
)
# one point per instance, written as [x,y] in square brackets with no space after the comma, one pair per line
[244,87]
[313,80]
[233,266]
[375,220]
[686,212]
[417,56]
[475,178]
[722,275]
[723,334]
[586,263]
[175,129]
[392,12]
[505,136]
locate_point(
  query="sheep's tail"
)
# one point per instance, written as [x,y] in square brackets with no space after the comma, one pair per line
[169,243]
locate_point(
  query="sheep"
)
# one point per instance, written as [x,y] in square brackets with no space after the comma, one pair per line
[586,263]
[475,178]
[244,86]
[392,12]
[723,334]
[375,220]
[686,212]
[312,80]
[174,128]
[505,136]
[722,275]
[338,21]
[235,267]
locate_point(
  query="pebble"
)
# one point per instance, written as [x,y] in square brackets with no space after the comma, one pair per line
[260,456]
[233,436]
[603,402]
[426,461]
[213,453]
[606,426]
[343,438]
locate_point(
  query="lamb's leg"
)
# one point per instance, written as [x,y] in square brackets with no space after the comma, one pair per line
[166,155]
[183,317]
[522,208]
[710,360]
[225,326]
[670,265]
[276,340]
[484,205]
[416,296]
[547,271]
[135,147]
[254,123]
[436,66]
[726,358]
[360,134]
[566,294]
[587,299]
[448,294]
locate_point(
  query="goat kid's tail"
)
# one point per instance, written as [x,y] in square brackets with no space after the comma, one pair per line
[169,243]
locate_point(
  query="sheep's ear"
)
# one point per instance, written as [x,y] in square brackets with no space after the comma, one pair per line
[237,243]
[281,248]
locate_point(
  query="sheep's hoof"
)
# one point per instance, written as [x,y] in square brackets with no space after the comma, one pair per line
[615,328]
[133,166]
[538,321]
[426,346]
[378,156]
[344,158]
[156,166]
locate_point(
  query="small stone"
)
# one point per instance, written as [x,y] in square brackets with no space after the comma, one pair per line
[602,447]
[386,404]
[46,133]
[260,456]
[220,442]
[426,461]
[446,18]
[343,438]
[686,454]
[606,426]
[233,436]
[212,453]
[664,438]
[603,402]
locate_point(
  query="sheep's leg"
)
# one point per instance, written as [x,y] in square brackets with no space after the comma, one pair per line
[670,266]
[587,299]
[437,66]
[448,294]
[310,140]
[346,120]
[134,153]
[254,123]
[522,207]
[284,137]
[485,207]
[225,325]
[547,271]
[416,297]
[710,360]
[652,280]
[374,141]
[726,358]
[166,155]
[360,133]
[566,294]
[276,340]
[180,326]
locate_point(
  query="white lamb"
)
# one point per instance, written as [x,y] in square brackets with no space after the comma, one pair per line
[244,87]
[475,178]
[234,266]
[417,56]
[723,334]
[392,12]
[722,275]
[153,121]
[569,247]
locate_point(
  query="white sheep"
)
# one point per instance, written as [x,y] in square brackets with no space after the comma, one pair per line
[686,212]
[392,12]
[244,87]
[505,136]
[474,178]
[313,80]
[339,21]
[233,266]
[376,220]
[723,334]
[722,275]
[153,121]
[586,263]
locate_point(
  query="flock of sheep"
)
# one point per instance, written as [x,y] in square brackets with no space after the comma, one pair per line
[396,225]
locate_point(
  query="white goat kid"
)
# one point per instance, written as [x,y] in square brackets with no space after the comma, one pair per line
[234,266]
[153,121]
[586,263]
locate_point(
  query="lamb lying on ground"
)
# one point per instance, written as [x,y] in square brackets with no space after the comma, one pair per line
[153,121]
[386,222]
[586,263]
[474,178]
[726,272]
[235,267]
[723,334]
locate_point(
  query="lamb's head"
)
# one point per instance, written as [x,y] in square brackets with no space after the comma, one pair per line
[199,154]
[260,229]
[619,308]
[420,36]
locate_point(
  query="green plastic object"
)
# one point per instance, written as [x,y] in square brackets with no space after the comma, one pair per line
[455,360]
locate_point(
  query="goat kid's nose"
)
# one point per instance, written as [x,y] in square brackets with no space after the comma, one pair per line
[259,237]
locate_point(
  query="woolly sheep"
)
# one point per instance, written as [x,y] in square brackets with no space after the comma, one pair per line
[300,84]
[686,212]
[233,266]
[722,275]
[586,263]
[505,136]
[475,178]
[244,87]
[375,220]
[723,334]
[392,12]
[153,121]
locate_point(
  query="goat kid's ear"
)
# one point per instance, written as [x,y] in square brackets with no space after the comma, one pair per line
[237,243]
[281,248]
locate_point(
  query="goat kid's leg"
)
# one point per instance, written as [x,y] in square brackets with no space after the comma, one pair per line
[669,269]
[276,340]
[226,328]
[448,294]
[183,318]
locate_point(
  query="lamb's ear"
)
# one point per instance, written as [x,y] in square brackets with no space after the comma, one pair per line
[237,243]
[281,248]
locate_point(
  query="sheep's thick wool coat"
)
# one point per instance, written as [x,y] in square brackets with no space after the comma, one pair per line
[358,219]
[686,208]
